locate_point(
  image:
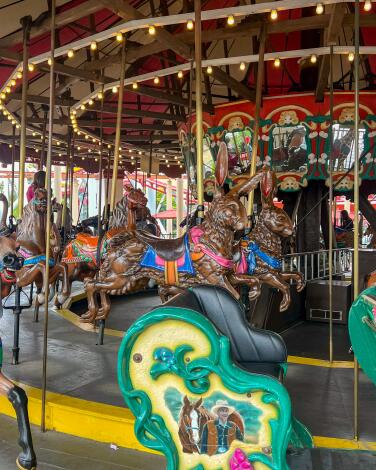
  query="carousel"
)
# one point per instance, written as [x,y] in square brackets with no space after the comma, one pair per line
[188,235]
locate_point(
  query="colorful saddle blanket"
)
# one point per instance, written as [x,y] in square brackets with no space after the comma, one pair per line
[171,268]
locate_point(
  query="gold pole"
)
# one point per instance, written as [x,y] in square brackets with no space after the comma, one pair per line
[256,126]
[330,211]
[67,165]
[199,120]
[26,24]
[118,127]
[13,160]
[356,209]
[48,221]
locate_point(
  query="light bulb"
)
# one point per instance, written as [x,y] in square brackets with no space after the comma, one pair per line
[351,57]
[277,62]
[190,25]
[230,20]
[49,61]
[58,143]
[180,74]
[156,80]
[13,82]
[19,75]
[151,30]
[3,96]
[273,15]
[119,37]
[8,89]
[82,107]
[86,137]
[135,85]
[114,89]
[31,67]
[70,53]
[93,46]
[367,5]
[313,58]
[319,8]
[91,102]
[209,70]
[242,66]
[10,146]
[100,95]
[74,112]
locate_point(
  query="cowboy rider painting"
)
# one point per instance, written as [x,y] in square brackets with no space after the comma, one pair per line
[218,434]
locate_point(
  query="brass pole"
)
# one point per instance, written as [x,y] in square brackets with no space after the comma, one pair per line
[67,165]
[256,126]
[43,149]
[356,208]
[48,221]
[330,211]
[199,120]
[118,128]
[12,191]
[26,24]
[71,177]
[100,171]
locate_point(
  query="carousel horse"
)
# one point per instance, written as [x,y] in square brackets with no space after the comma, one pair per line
[31,231]
[133,258]
[370,232]
[262,249]
[10,262]
[6,230]
[80,254]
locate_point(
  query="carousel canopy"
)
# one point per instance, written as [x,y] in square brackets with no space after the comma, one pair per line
[159,53]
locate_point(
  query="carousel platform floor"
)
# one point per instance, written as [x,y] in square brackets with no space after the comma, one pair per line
[57,451]
[82,379]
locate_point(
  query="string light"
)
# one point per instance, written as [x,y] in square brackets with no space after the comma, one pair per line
[3,96]
[277,62]
[91,102]
[8,89]
[100,95]
[13,82]
[242,66]
[31,67]
[89,150]
[49,61]
[140,153]
[74,112]
[70,53]
[17,126]
[86,137]
[34,134]
[367,5]
[37,150]
[19,75]
[273,15]
[152,30]
[209,70]
[190,25]
[319,8]
[156,80]
[114,89]
[135,85]
[119,37]
[82,107]
[93,46]
[58,142]
[180,74]
[10,146]
[351,57]
[313,58]
[231,20]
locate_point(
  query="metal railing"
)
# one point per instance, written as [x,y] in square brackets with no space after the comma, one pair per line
[315,264]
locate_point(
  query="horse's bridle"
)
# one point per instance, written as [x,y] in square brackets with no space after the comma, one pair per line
[191,428]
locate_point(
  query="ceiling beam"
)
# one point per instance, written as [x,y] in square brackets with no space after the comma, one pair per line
[242,90]
[331,37]
[43,23]
[142,138]
[68,71]
[123,9]
[169,97]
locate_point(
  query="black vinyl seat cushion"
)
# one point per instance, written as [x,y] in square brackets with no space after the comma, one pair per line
[258,351]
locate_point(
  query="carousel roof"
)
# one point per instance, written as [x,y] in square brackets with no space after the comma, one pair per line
[153,111]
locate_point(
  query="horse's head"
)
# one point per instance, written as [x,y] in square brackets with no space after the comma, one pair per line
[10,261]
[193,418]
[136,199]
[40,200]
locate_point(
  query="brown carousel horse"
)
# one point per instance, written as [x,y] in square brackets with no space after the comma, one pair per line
[31,231]
[262,249]
[9,263]
[133,258]
[80,254]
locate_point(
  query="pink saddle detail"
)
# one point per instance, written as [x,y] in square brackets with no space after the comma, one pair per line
[196,233]
[161,262]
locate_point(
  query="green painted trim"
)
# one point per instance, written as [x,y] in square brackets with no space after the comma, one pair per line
[150,428]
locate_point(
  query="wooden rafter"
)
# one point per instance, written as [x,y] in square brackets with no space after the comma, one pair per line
[242,90]
[331,37]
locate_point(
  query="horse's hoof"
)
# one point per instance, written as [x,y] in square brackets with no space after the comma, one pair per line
[26,464]
[41,298]
[87,318]
[284,306]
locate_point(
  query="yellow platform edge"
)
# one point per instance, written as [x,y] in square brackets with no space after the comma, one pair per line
[112,424]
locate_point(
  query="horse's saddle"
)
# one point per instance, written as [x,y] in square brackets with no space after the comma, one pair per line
[86,239]
[169,249]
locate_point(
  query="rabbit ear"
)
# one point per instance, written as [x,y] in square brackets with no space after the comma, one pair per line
[268,187]
[244,188]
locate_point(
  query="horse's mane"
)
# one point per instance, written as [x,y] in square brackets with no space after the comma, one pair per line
[119,216]
[26,226]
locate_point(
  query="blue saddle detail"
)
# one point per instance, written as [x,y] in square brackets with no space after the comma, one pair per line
[150,260]
[253,251]
[38,259]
